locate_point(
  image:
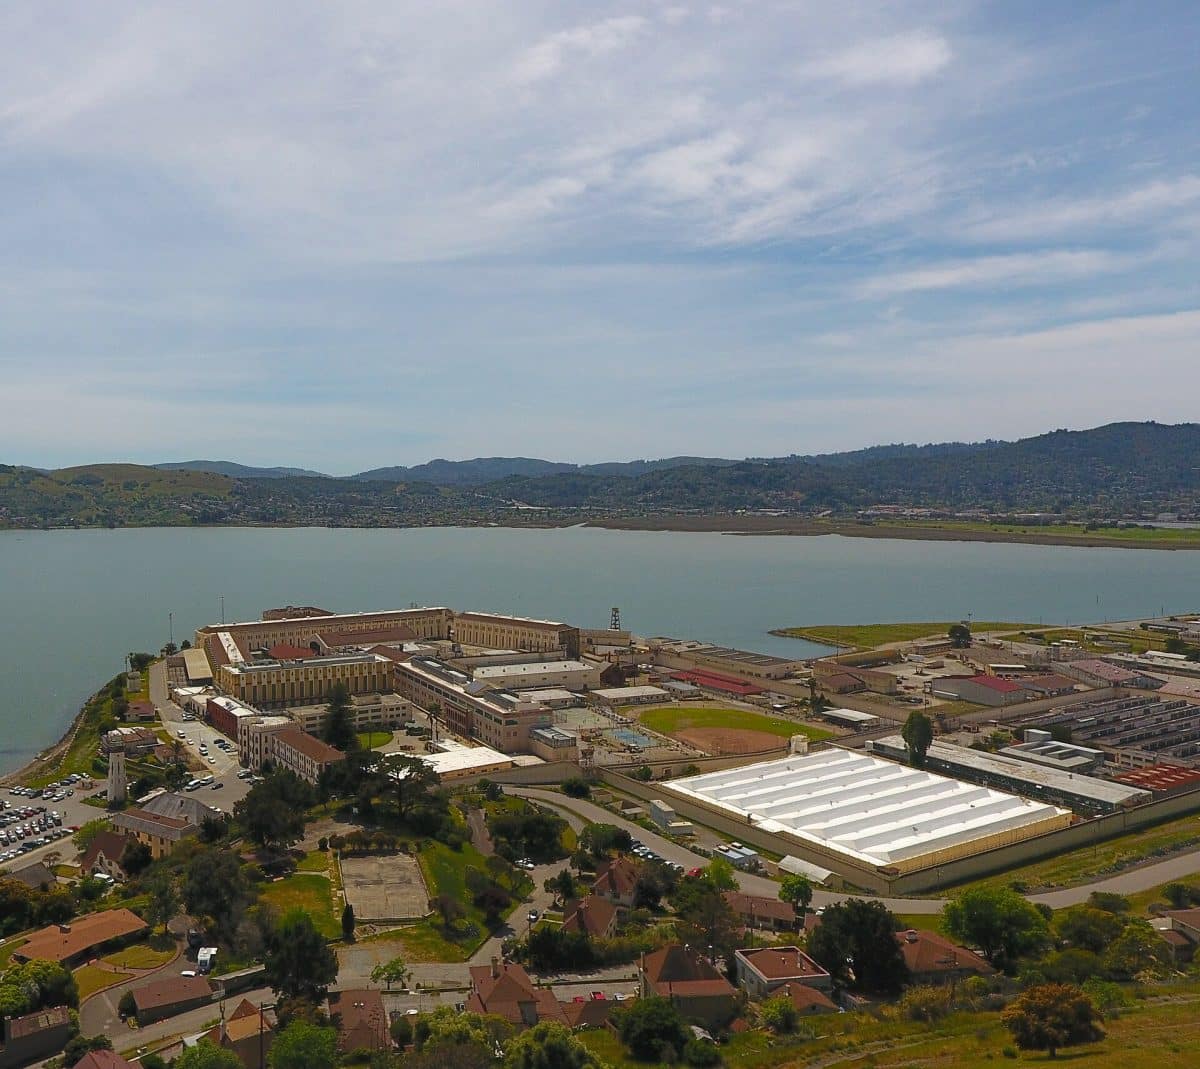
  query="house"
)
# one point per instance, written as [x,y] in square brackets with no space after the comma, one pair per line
[1183,932]
[142,710]
[759,911]
[694,986]
[808,1000]
[249,1032]
[362,1022]
[505,989]
[617,881]
[588,1012]
[160,833]
[763,970]
[69,944]
[103,1059]
[35,1036]
[592,915]
[103,855]
[170,997]
[36,876]
[179,806]
[933,959]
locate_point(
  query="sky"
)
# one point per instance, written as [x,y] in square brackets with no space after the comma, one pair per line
[343,236]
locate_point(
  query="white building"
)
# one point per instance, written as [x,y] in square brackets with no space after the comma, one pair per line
[871,812]
[570,674]
[614,696]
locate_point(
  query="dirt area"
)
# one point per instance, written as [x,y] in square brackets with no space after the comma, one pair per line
[717,741]
[385,887]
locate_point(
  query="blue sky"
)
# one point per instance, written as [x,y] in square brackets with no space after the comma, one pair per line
[342,236]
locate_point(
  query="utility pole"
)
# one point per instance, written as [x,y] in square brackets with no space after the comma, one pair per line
[171,628]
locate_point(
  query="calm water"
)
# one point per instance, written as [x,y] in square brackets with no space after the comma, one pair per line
[73,603]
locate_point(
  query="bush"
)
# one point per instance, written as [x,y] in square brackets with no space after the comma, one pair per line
[127,1007]
[698,1052]
[780,1015]
[323,843]
[577,787]
[926,1004]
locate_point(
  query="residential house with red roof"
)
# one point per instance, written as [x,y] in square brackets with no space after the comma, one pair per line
[103,854]
[596,917]
[692,984]
[759,911]
[249,1032]
[35,1036]
[362,1021]
[617,881]
[763,970]
[506,990]
[933,959]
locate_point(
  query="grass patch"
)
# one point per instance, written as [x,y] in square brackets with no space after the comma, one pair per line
[316,861]
[868,636]
[669,720]
[9,948]
[368,740]
[950,709]
[1102,859]
[309,892]
[92,978]
[140,956]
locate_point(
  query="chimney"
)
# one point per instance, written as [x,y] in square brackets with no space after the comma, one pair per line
[911,936]
[64,928]
[495,968]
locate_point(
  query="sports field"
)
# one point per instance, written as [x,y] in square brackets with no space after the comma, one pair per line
[725,731]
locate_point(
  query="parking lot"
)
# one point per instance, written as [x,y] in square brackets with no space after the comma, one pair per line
[29,822]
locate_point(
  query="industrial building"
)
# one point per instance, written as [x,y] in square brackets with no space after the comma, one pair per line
[855,811]
[980,690]
[1134,731]
[496,632]
[1084,794]
[1041,748]
[366,712]
[618,696]
[276,684]
[850,718]
[570,674]
[306,628]
[724,659]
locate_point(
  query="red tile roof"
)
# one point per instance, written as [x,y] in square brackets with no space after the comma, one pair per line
[808,999]
[103,1059]
[43,1020]
[170,992]
[681,971]
[591,914]
[505,989]
[363,1023]
[591,1013]
[782,963]
[285,651]
[309,745]
[1159,777]
[109,843]
[616,878]
[1002,686]
[928,952]
[761,907]
[58,942]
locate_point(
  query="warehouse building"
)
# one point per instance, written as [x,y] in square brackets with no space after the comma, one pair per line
[1134,731]
[619,696]
[980,690]
[1084,794]
[854,811]
[570,674]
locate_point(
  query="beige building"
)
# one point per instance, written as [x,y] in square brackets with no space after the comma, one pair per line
[303,630]
[253,734]
[571,674]
[302,754]
[277,684]
[515,633]
[157,832]
[368,712]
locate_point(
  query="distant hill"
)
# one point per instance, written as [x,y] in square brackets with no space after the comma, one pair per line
[483,470]
[238,471]
[1120,470]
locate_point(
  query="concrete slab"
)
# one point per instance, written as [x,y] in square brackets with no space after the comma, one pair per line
[385,887]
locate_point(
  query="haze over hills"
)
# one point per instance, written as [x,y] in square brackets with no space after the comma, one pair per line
[1123,470]
[237,471]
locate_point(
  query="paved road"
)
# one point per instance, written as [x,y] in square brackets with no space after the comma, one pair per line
[1138,879]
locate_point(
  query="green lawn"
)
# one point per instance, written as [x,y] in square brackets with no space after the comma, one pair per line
[91,978]
[316,861]
[667,721]
[10,945]
[1103,859]
[140,956]
[309,892]
[368,740]
[868,636]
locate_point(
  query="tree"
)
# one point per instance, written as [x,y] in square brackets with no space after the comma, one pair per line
[451,1032]
[780,1015]
[448,908]
[135,858]
[721,874]
[207,1055]
[163,899]
[127,1007]
[651,1029]
[339,730]
[84,836]
[1180,895]
[561,886]
[78,1046]
[390,972]
[917,734]
[798,890]
[1003,924]
[411,782]
[602,839]
[304,1045]
[272,813]
[549,1045]
[644,773]
[215,887]
[297,963]
[1088,928]
[1138,949]
[960,636]
[856,944]
[577,787]
[348,923]
[1051,1016]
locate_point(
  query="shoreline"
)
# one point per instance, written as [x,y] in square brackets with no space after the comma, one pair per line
[726,524]
[51,755]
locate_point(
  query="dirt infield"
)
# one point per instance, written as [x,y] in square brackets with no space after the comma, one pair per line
[717,741]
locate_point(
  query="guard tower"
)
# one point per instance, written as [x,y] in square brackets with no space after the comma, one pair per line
[614,621]
[117,788]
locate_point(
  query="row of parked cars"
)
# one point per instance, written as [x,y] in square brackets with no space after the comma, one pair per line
[25,829]
[54,792]
[641,850]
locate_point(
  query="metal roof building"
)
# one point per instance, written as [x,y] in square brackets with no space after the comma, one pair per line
[868,811]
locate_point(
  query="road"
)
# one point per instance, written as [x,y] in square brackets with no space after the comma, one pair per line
[1139,879]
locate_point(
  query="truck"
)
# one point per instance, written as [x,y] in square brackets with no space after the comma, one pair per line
[205,959]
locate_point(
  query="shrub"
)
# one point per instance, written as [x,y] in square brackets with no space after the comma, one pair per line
[577,787]
[323,843]
[700,1053]
[925,1003]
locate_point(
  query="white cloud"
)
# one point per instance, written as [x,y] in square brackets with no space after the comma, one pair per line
[904,60]
[1024,269]
[548,57]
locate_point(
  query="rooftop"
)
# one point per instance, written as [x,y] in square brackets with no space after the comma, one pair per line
[309,745]
[873,811]
[782,963]
[58,942]
[505,671]
[174,989]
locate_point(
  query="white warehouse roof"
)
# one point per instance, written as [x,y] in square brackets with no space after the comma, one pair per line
[873,811]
